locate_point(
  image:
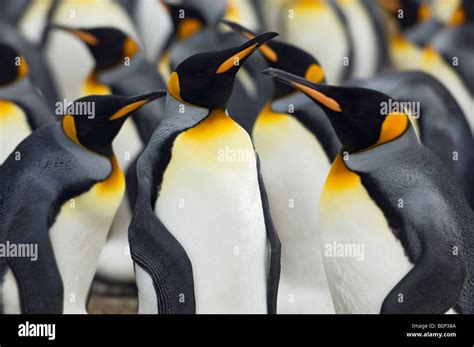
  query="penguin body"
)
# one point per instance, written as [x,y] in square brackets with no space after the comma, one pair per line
[443,127]
[23,109]
[120,68]
[293,193]
[296,144]
[199,160]
[41,188]
[77,182]
[391,216]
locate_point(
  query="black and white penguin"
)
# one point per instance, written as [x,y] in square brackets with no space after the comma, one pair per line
[296,145]
[199,161]
[120,68]
[22,107]
[62,195]
[397,233]
[442,125]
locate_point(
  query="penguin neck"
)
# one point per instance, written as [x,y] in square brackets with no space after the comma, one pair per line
[378,156]
[69,127]
[92,86]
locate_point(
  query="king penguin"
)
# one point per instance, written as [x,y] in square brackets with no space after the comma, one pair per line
[397,233]
[442,125]
[120,68]
[296,145]
[201,237]
[22,107]
[62,196]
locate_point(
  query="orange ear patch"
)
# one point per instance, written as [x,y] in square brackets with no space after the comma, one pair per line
[318,96]
[173,86]
[188,27]
[69,127]
[130,48]
[393,126]
[314,73]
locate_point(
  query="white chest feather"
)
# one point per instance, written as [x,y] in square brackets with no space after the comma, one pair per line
[363,35]
[78,235]
[294,167]
[362,257]
[210,201]
[330,44]
[14,128]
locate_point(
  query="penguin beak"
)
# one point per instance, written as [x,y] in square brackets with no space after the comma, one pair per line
[236,56]
[132,104]
[82,34]
[265,49]
[322,94]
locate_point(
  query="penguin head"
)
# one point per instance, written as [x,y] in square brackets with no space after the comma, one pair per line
[207,79]
[109,46]
[13,66]
[187,20]
[359,116]
[286,57]
[94,121]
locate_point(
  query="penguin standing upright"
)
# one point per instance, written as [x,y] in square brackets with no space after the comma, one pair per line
[201,236]
[120,68]
[62,196]
[22,108]
[397,233]
[296,145]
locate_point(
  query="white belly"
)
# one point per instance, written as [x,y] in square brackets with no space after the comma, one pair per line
[363,35]
[212,205]
[362,257]
[14,128]
[77,236]
[317,29]
[294,168]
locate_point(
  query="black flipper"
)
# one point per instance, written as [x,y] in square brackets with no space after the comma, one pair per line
[275,247]
[51,171]
[435,283]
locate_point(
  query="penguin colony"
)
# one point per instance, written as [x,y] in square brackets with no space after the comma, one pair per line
[183,148]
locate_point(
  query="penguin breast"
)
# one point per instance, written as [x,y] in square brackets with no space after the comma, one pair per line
[210,201]
[362,257]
